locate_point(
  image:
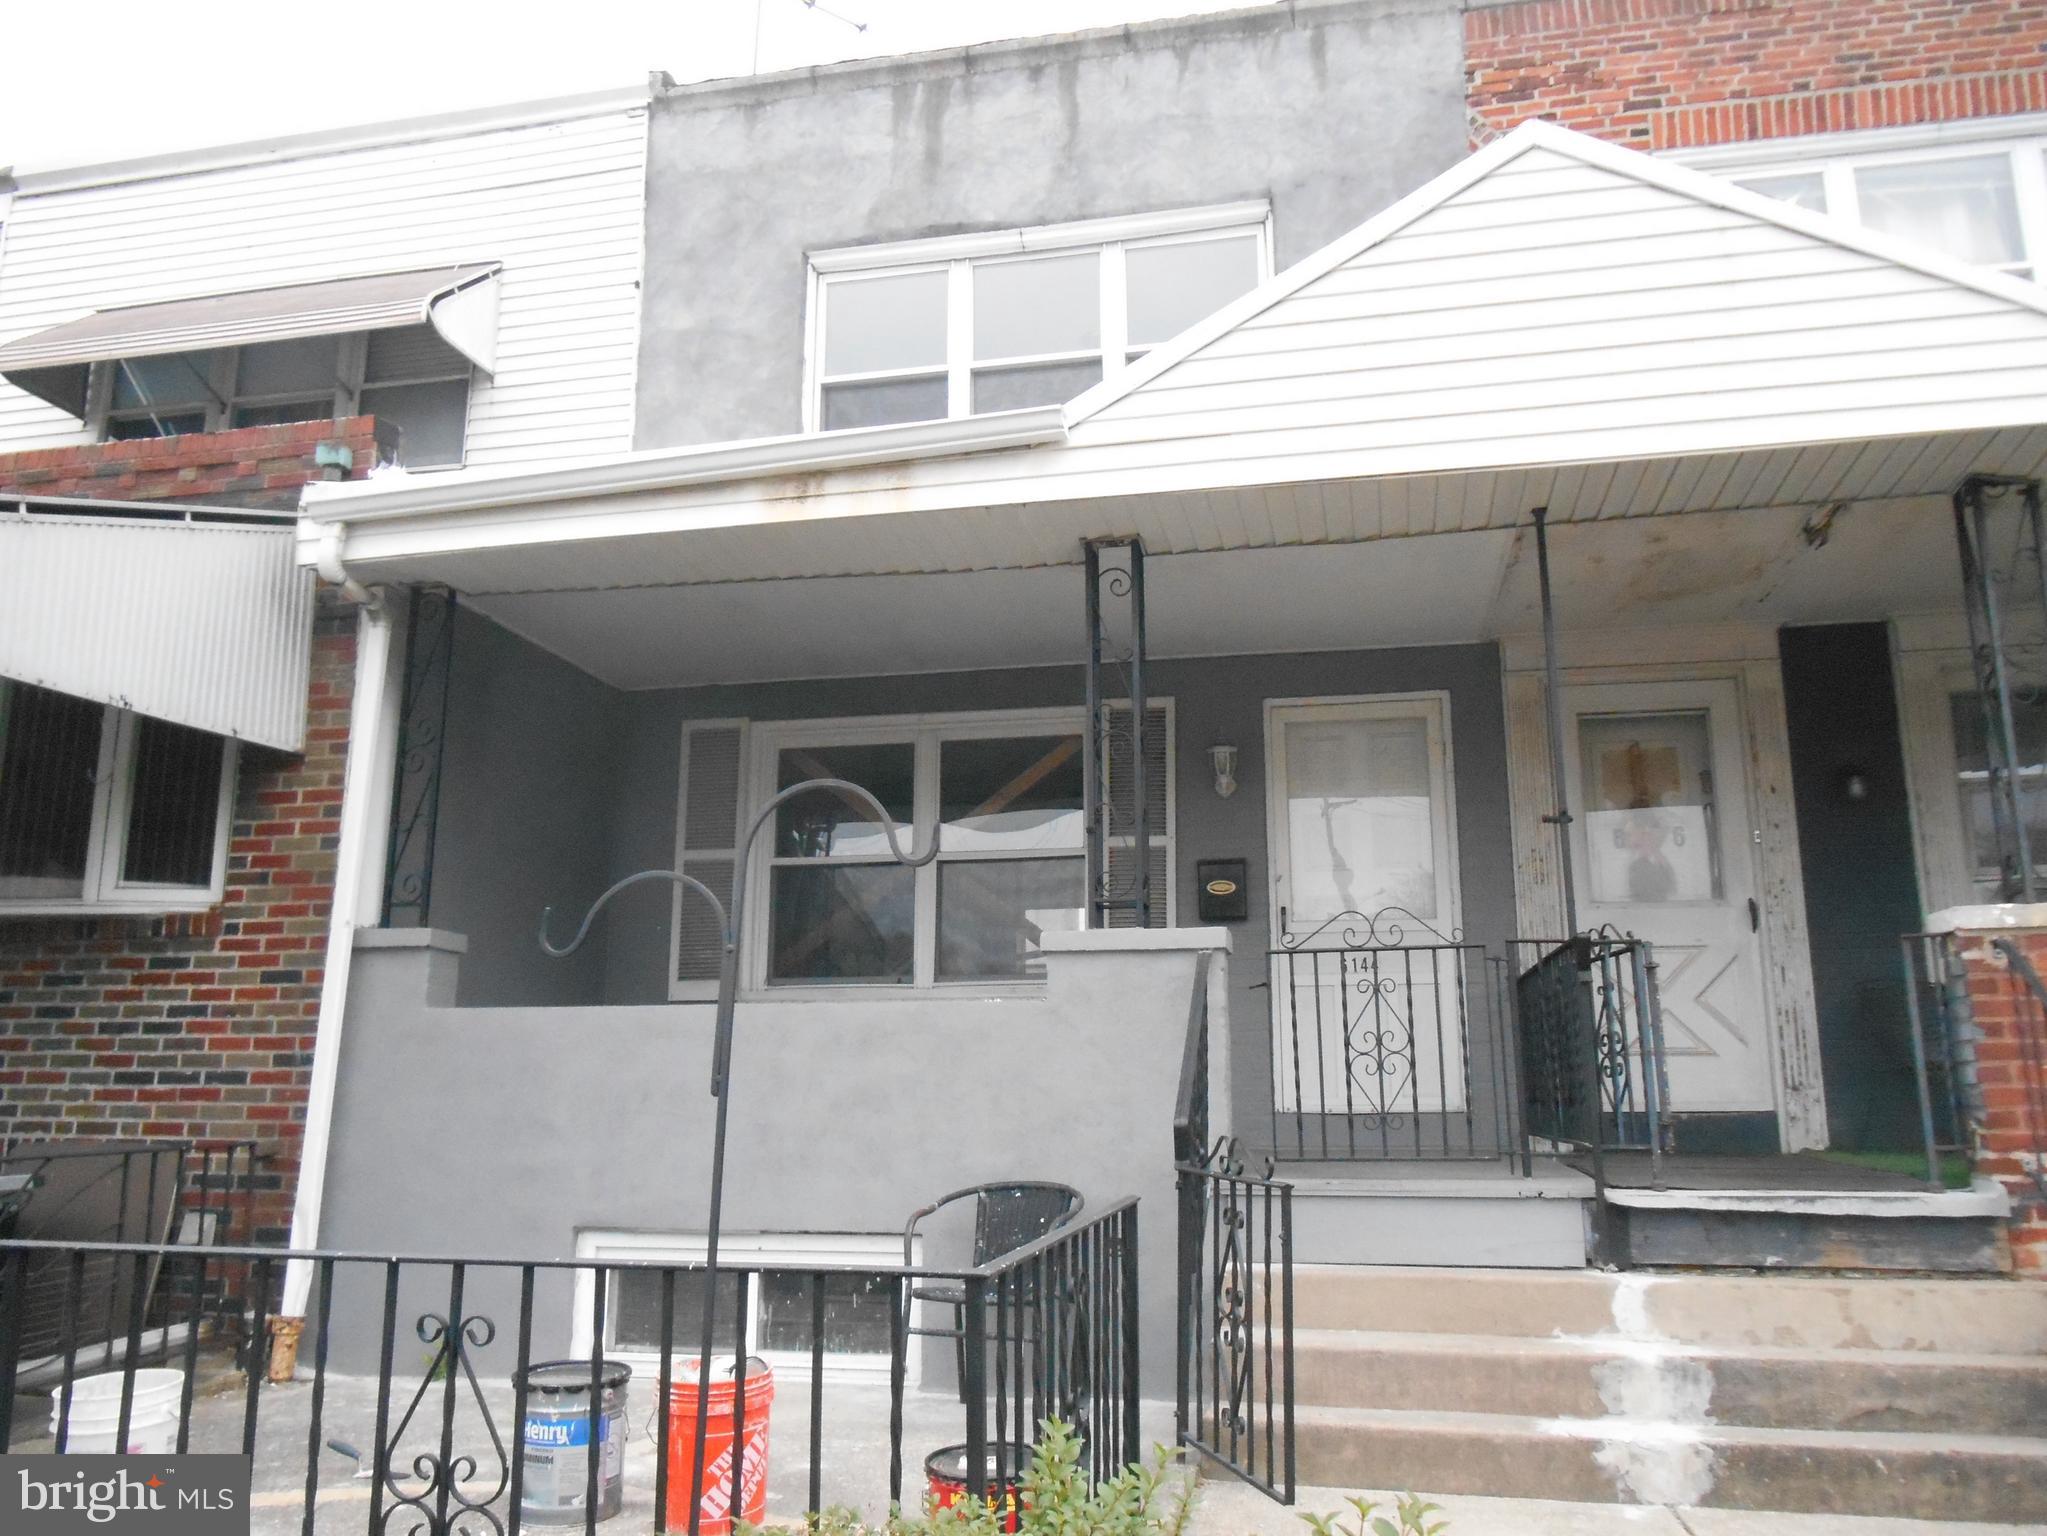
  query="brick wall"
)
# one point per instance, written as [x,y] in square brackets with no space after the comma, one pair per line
[1661,74]
[2011,1067]
[195,1026]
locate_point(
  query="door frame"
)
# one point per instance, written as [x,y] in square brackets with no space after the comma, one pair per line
[1747,656]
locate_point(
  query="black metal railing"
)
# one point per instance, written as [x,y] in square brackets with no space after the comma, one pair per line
[1942,1035]
[2026,1144]
[1389,1041]
[1591,1030]
[1234,1367]
[411,1397]
[1191,1104]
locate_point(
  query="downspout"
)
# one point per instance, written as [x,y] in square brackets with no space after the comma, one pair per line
[359,851]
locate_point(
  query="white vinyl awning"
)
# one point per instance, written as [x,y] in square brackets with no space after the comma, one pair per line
[206,624]
[461,303]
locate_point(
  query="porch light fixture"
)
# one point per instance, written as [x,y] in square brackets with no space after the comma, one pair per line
[1224,759]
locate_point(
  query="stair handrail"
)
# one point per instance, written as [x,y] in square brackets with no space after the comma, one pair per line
[1190,1107]
[2032,1050]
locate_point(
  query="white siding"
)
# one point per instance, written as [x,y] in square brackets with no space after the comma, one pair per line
[559,203]
[1558,311]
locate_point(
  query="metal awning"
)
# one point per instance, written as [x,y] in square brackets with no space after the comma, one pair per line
[461,303]
[207,624]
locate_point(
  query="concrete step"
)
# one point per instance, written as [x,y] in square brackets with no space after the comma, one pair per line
[1421,1214]
[1955,1231]
[1930,1477]
[1759,1386]
[1943,1316]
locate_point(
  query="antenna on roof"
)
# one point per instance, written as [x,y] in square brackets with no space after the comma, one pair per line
[809,5]
[812,5]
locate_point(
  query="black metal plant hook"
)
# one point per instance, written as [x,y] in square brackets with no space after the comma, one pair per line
[729,919]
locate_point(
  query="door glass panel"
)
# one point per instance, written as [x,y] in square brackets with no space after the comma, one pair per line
[1649,816]
[1360,818]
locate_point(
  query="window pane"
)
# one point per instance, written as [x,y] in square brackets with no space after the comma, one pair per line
[1049,304]
[882,401]
[991,911]
[1648,788]
[1972,769]
[430,419]
[1010,792]
[634,1311]
[303,367]
[283,413]
[1011,389]
[1360,827]
[1963,207]
[173,806]
[856,1313]
[128,429]
[1801,189]
[872,323]
[840,922]
[49,757]
[158,382]
[826,823]
[1172,286]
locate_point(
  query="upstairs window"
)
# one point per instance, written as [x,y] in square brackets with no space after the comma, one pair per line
[929,329]
[107,810]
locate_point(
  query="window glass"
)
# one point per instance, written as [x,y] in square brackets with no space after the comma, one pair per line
[841,922]
[856,1313]
[158,383]
[1964,207]
[1045,304]
[49,761]
[128,429]
[824,823]
[876,323]
[307,366]
[991,913]
[1361,832]
[633,1310]
[282,413]
[877,402]
[1012,389]
[1648,785]
[1972,770]
[1801,189]
[173,805]
[1010,793]
[431,419]
[1172,286]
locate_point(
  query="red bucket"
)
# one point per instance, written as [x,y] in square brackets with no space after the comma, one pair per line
[945,1475]
[719,1428]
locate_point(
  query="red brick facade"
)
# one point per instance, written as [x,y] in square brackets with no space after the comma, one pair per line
[1662,74]
[195,1026]
[2011,1065]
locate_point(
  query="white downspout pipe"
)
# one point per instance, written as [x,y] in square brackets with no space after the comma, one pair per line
[372,728]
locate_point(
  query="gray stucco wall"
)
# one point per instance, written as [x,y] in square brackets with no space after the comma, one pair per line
[1216,700]
[1331,109]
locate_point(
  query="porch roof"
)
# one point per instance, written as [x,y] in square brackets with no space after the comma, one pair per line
[1555,321]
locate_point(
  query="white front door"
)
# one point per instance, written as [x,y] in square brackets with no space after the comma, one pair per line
[1663,838]
[1364,867]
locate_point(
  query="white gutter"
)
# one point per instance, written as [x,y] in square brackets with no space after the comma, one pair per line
[388,496]
[372,719]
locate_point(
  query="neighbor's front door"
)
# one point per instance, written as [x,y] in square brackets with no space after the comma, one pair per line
[1664,846]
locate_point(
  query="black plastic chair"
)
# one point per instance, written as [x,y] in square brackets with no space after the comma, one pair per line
[1006,1217]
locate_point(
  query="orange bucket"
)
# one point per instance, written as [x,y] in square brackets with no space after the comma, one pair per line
[685,1421]
[945,1476]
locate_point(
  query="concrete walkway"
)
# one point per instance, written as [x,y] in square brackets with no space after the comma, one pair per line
[1231,1509]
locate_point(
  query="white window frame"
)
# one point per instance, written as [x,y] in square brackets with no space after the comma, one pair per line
[863,1252]
[956,255]
[1836,157]
[765,741]
[104,890]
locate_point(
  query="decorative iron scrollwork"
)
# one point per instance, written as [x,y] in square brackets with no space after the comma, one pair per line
[438,1492]
[1383,929]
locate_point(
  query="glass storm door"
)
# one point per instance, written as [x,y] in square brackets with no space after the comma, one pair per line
[1665,851]
[1367,1017]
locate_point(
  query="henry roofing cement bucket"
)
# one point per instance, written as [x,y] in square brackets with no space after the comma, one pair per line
[718,1427]
[555,1482]
[96,1414]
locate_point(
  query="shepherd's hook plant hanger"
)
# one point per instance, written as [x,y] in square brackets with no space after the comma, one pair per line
[721,1048]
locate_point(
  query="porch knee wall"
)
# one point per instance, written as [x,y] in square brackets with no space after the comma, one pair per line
[2008,1050]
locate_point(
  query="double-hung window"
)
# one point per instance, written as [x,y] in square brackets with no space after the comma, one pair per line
[105,810]
[927,329]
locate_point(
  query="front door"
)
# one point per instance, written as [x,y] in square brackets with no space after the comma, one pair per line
[1664,846]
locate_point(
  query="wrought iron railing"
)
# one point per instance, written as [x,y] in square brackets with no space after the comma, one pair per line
[1389,1040]
[412,1378]
[1191,1104]
[1942,1037]
[1234,1377]
[2028,1072]
[1591,1030]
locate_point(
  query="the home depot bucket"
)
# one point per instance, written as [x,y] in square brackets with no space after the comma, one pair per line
[945,1475]
[685,1422]
[96,1413]
[554,1485]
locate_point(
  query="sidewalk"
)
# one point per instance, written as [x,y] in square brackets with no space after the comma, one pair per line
[1229,1508]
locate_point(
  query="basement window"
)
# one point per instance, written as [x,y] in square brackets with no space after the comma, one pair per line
[105,810]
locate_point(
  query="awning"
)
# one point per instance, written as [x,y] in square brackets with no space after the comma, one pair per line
[204,624]
[461,303]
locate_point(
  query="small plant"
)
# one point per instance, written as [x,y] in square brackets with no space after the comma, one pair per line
[1410,1517]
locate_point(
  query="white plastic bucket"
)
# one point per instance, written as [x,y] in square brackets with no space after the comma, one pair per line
[96,1413]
